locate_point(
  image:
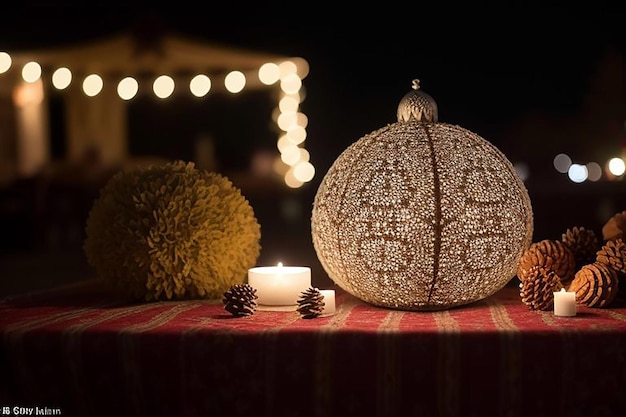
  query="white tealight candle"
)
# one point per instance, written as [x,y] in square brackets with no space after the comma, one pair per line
[329,302]
[279,285]
[564,303]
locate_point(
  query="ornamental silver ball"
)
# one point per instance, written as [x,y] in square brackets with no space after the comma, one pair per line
[421,215]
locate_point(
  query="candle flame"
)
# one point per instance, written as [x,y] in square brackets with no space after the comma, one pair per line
[280,264]
[562,289]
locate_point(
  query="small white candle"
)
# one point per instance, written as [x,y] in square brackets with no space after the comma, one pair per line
[565,303]
[279,285]
[329,302]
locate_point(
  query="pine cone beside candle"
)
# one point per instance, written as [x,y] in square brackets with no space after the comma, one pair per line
[550,255]
[537,289]
[583,243]
[613,254]
[240,300]
[595,285]
[311,303]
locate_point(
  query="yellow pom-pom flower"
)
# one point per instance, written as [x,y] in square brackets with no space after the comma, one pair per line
[171,232]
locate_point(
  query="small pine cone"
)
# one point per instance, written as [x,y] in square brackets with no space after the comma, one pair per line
[240,300]
[583,243]
[311,303]
[613,254]
[614,228]
[595,285]
[537,290]
[550,255]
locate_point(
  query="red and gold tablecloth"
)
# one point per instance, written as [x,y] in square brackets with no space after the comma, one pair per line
[82,351]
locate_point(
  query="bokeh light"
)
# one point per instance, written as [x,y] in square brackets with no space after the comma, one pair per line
[127,88]
[163,86]
[31,72]
[577,173]
[61,78]
[92,85]
[200,85]
[562,163]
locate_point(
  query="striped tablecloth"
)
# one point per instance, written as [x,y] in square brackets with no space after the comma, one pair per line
[82,351]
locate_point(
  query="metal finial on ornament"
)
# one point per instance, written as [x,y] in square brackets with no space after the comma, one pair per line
[417,106]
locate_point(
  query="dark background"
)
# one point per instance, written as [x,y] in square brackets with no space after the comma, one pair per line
[534,82]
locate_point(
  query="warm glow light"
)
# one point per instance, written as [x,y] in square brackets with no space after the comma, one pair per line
[283,143]
[562,163]
[302,67]
[163,86]
[291,180]
[287,68]
[304,155]
[269,73]
[617,167]
[297,135]
[61,78]
[235,81]
[5,62]
[304,171]
[291,83]
[92,85]
[290,155]
[31,72]
[287,120]
[200,85]
[127,88]
[301,119]
[288,104]
[594,171]
[26,94]
[577,173]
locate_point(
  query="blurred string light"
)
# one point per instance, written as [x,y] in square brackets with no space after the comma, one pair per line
[616,166]
[591,171]
[293,164]
[5,62]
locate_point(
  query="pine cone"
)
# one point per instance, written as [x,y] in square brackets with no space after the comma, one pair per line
[614,228]
[595,285]
[311,303]
[537,290]
[240,300]
[583,243]
[613,254]
[551,255]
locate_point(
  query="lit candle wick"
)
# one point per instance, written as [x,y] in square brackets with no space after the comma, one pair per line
[280,264]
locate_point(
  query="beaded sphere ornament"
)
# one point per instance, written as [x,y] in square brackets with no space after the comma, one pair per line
[421,215]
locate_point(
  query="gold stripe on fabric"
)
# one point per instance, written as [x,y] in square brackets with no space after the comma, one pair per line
[130,362]
[176,308]
[71,339]
[185,334]
[323,355]
[615,315]
[510,358]
[387,362]
[448,363]
[43,321]
[343,311]
[501,318]
[547,318]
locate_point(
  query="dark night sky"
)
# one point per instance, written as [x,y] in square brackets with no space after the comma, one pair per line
[487,69]
[484,69]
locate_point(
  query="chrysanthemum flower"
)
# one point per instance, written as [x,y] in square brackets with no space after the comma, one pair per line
[171,232]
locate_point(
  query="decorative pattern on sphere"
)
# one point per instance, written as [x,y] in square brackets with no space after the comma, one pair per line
[421,216]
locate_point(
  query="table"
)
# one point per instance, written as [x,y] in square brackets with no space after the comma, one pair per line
[82,350]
